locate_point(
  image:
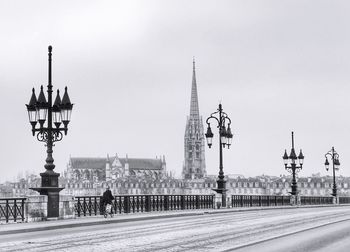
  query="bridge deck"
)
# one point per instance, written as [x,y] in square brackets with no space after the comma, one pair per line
[192,232]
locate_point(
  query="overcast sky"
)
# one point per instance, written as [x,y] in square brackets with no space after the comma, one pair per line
[276,66]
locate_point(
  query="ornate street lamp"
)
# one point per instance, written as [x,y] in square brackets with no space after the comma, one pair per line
[225,139]
[293,168]
[334,156]
[42,111]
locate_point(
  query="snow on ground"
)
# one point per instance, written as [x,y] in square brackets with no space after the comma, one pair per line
[209,232]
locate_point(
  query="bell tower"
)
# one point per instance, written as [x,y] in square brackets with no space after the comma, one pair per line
[194,163]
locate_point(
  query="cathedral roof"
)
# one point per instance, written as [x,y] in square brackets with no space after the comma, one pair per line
[88,163]
[143,163]
[100,163]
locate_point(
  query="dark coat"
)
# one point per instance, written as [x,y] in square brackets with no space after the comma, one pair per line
[107,197]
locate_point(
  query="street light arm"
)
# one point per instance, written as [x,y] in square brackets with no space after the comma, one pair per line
[332,154]
[226,117]
[214,113]
[224,114]
[212,117]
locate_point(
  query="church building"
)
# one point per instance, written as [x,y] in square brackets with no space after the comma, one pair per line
[113,168]
[194,163]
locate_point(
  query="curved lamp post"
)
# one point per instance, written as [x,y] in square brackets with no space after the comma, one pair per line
[41,112]
[334,156]
[225,139]
[290,164]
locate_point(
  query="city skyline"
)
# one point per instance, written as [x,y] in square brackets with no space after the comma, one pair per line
[275,67]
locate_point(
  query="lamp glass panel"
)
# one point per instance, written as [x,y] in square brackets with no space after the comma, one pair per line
[229,140]
[285,161]
[56,117]
[66,114]
[32,115]
[41,113]
[223,139]
[301,161]
[209,141]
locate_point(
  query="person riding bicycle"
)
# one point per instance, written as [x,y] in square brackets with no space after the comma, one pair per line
[107,202]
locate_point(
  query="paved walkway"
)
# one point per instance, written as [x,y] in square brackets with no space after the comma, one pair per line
[13,228]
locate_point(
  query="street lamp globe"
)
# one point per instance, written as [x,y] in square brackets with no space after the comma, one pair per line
[209,136]
[32,113]
[336,164]
[223,135]
[41,107]
[229,136]
[56,110]
[301,158]
[66,108]
[285,158]
[326,164]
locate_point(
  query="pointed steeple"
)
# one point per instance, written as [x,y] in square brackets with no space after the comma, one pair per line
[194,110]
[194,164]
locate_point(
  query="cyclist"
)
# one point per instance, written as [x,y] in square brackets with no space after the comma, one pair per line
[107,202]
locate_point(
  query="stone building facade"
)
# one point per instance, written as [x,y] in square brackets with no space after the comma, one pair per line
[260,185]
[194,141]
[111,168]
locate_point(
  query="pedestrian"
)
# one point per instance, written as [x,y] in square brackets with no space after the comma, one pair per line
[107,202]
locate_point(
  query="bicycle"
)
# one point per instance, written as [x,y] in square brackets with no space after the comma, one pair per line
[107,209]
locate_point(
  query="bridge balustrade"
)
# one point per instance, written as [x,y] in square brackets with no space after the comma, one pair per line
[92,205]
[279,200]
[316,200]
[12,209]
[344,200]
[259,200]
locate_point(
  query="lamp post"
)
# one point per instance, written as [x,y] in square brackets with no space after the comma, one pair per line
[225,139]
[293,168]
[334,156]
[43,111]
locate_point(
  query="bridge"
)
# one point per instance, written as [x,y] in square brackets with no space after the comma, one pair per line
[288,228]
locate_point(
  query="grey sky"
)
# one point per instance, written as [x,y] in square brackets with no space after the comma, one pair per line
[277,66]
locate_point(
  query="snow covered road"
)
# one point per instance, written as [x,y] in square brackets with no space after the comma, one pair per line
[208,232]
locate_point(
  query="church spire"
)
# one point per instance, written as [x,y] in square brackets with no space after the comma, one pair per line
[194,164]
[194,110]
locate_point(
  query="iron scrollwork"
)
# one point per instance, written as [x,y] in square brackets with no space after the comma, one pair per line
[43,136]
